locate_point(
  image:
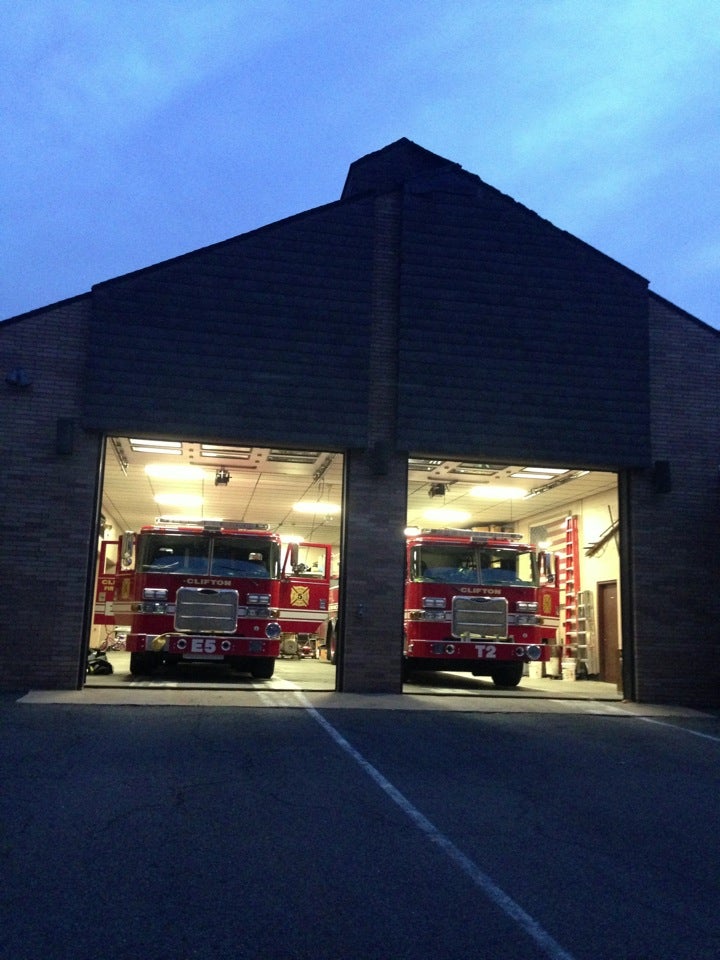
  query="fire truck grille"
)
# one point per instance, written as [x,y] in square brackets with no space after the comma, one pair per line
[200,610]
[480,617]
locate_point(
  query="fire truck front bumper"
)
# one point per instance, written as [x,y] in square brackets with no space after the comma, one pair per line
[203,647]
[464,650]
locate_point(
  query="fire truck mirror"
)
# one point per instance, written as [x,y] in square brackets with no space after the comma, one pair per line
[126,548]
[294,554]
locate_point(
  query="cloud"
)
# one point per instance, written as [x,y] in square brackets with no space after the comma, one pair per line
[89,66]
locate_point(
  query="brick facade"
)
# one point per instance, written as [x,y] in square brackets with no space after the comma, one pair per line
[376,484]
[50,474]
[674,534]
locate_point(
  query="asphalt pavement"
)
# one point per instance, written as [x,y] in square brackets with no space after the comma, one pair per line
[283,824]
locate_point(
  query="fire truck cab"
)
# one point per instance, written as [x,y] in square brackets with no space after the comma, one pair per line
[478,602]
[206,591]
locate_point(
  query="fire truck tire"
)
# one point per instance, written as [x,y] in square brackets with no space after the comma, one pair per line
[263,668]
[507,674]
[142,664]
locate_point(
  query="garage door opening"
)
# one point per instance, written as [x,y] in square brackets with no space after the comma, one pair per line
[217,566]
[512,580]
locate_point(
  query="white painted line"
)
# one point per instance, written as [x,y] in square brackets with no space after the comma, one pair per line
[492,891]
[609,708]
[664,723]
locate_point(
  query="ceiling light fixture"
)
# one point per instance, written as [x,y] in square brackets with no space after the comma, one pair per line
[156,446]
[174,471]
[558,482]
[538,473]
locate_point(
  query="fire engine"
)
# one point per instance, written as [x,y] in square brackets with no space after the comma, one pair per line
[212,591]
[305,598]
[327,631]
[478,602]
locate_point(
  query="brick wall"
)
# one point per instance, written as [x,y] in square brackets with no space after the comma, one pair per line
[376,493]
[675,534]
[47,503]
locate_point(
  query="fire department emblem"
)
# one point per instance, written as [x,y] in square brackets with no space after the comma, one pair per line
[300,596]
[546,603]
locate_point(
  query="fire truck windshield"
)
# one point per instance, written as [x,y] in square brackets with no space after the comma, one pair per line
[472,564]
[197,553]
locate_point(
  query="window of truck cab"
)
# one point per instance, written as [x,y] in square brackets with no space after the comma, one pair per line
[473,564]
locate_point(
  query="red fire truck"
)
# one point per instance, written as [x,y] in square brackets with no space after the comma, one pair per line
[212,591]
[478,602]
[305,598]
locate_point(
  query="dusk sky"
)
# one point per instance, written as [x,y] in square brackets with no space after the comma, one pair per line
[135,132]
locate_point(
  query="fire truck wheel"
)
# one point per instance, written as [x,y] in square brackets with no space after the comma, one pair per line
[263,668]
[142,664]
[507,674]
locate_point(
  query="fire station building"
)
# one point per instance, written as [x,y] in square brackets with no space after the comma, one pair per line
[423,316]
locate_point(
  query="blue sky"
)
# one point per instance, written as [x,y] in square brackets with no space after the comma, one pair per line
[133,132]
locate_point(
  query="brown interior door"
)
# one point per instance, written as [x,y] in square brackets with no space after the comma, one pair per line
[608,631]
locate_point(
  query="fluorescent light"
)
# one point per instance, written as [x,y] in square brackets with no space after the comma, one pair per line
[156,446]
[174,471]
[538,473]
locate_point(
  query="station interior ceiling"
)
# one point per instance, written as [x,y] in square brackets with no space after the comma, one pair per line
[298,493]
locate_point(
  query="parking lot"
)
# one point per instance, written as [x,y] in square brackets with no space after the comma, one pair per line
[268,822]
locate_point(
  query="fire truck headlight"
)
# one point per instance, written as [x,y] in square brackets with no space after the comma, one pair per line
[526,606]
[258,599]
[273,630]
[154,593]
[533,651]
[433,603]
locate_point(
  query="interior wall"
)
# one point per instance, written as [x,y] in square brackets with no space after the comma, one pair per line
[595,515]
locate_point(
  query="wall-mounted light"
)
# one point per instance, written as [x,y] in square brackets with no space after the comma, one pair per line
[222,477]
